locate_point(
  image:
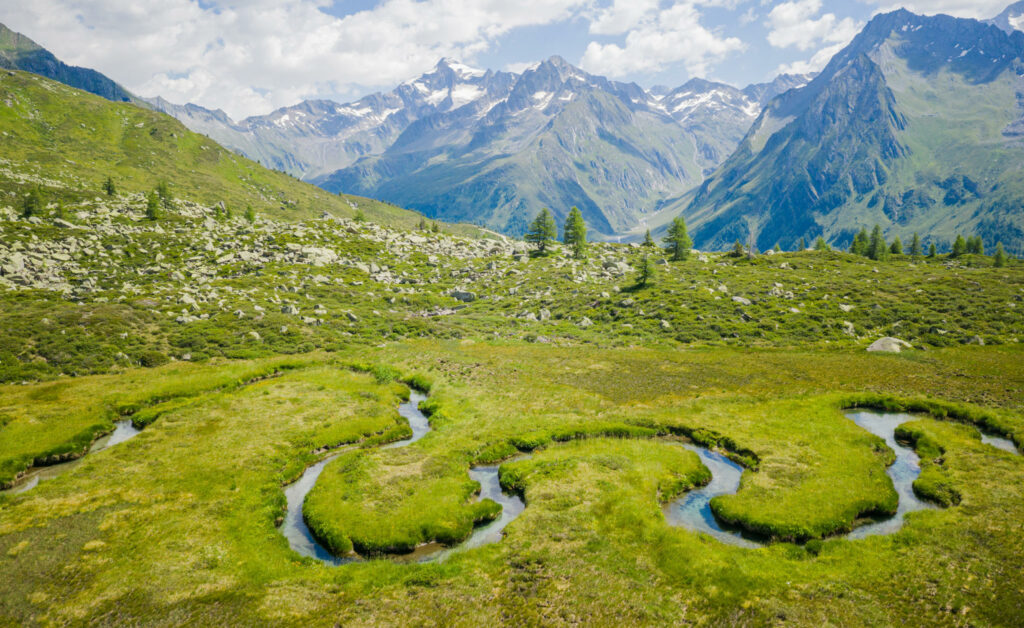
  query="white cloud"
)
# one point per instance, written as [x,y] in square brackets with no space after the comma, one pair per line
[983,9]
[798,24]
[661,37]
[253,56]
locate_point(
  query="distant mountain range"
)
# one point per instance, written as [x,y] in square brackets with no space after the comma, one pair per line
[463,144]
[917,125]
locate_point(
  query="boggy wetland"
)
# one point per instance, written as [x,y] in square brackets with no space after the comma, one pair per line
[854,492]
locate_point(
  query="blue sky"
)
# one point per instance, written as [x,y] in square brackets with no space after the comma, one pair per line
[251,56]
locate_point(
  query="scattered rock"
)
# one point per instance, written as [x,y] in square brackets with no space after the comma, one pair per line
[463,295]
[888,344]
[585,322]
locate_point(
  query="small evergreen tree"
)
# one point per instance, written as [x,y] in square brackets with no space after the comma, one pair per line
[543,230]
[163,191]
[33,203]
[861,242]
[931,250]
[877,249]
[153,206]
[737,250]
[678,240]
[360,216]
[571,228]
[915,246]
[897,247]
[648,240]
[575,234]
[959,246]
[777,248]
[109,188]
[250,213]
[802,244]
[423,224]
[821,245]
[999,260]
[436,228]
[645,275]
[975,245]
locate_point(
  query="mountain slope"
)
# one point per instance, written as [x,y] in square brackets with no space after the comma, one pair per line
[317,137]
[68,142]
[18,52]
[468,144]
[916,125]
[561,137]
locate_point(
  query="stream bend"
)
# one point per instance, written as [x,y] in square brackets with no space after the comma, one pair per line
[302,541]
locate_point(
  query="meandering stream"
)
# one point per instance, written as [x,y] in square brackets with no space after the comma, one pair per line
[123,430]
[302,541]
[692,510]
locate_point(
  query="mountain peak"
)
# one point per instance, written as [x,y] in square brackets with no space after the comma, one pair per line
[1011,19]
[458,68]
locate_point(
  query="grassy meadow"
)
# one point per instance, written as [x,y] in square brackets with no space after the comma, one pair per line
[189,507]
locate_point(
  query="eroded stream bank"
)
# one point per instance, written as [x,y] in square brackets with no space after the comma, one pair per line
[123,430]
[301,539]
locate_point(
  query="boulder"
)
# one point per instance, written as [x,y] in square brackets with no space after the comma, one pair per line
[741,300]
[463,295]
[889,344]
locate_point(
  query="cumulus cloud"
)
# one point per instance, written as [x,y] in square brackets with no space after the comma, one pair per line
[657,38]
[982,9]
[250,57]
[798,24]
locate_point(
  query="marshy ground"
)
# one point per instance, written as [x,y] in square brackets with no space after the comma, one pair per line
[179,523]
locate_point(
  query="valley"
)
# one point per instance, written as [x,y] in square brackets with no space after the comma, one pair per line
[231,397]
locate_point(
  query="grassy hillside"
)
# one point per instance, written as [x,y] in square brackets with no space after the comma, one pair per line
[68,142]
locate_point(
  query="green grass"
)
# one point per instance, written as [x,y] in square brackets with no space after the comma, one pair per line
[179,522]
[69,141]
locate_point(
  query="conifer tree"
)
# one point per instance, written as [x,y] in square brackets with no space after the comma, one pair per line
[931,250]
[999,260]
[543,230]
[959,246]
[777,248]
[250,213]
[897,247]
[678,240]
[877,249]
[737,250]
[803,244]
[915,246]
[33,203]
[423,224]
[163,191]
[153,206]
[645,275]
[821,245]
[860,243]
[360,216]
[109,188]
[648,240]
[975,245]
[575,234]
[571,227]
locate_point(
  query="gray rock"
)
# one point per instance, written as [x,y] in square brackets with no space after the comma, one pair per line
[742,300]
[888,344]
[545,314]
[463,295]
[352,317]
[585,322]
[290,309]
[846,308]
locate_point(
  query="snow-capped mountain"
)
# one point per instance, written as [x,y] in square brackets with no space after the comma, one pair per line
[455,142]
[316,137]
